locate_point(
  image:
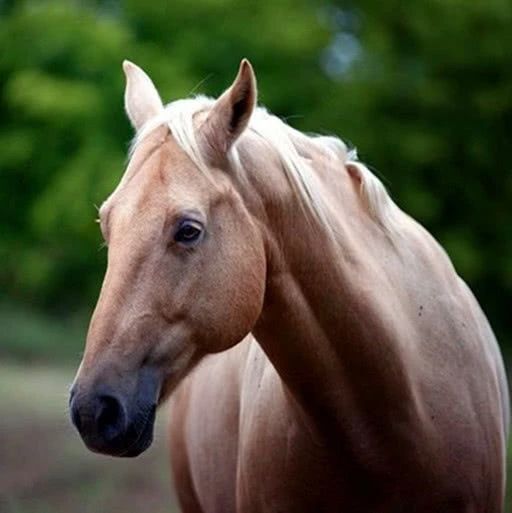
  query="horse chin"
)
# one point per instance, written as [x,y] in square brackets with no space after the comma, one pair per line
[142,443]
[168,388]
[177,374]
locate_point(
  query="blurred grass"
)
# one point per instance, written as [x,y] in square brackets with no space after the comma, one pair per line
[28,335]
[44,466]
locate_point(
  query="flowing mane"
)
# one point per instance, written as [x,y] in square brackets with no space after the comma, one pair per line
[179,117]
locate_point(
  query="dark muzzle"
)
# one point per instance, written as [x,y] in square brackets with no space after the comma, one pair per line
[116,422]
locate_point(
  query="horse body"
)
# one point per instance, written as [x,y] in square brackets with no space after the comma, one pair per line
[247,449]
[373,382]
[396,412]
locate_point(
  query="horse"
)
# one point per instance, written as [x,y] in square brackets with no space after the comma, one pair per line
[318,349]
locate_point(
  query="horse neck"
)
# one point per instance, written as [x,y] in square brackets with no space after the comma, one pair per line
[324,325]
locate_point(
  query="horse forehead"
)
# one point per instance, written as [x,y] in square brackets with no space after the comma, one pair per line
[159,168]
[169,172]
[158,161]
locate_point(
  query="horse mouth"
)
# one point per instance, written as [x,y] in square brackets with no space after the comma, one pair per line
[142,440]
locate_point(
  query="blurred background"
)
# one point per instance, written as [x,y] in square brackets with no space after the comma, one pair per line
[423,88]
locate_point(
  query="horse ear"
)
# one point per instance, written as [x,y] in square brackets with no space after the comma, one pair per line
[231,113]
[141,99]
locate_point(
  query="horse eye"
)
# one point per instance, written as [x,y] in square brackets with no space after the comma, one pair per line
[188,233]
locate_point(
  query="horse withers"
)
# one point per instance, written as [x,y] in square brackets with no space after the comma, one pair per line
[374,382]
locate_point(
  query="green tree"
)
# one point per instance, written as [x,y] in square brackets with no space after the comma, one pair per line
[422,87]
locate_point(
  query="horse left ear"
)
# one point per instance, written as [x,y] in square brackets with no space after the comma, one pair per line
[141,99]
[231,113]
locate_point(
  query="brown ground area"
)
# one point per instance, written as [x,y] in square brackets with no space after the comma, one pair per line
[44,467]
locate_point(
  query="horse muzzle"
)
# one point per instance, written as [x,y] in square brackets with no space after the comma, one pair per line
[116,420]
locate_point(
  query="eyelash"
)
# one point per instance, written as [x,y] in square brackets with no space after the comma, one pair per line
[189,233]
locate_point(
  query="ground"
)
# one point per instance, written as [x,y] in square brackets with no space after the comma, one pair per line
[45,468]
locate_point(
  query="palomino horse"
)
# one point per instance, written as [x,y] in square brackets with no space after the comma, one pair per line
[374,383]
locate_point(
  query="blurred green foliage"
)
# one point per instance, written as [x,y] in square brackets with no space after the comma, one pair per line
[423,88]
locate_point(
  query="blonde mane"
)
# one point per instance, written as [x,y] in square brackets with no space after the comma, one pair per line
[179,117]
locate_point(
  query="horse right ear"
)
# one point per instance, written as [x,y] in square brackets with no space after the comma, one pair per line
[141,99]
[230,114]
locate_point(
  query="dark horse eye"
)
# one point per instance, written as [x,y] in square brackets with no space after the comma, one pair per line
[189,232]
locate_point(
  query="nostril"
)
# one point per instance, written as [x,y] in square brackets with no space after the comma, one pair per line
[110,419]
